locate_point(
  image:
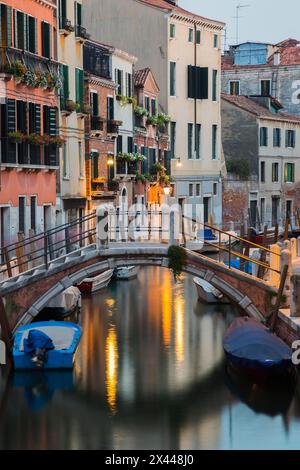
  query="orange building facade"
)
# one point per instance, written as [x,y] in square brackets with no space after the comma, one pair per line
[29,87]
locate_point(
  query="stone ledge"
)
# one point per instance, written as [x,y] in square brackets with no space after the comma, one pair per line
[293,322]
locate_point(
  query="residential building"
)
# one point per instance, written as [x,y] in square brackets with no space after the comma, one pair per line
[29,80]
[262,152]
[71,194]
[150,139]
[254,68]
[99,129]
[183,50]
[121,123]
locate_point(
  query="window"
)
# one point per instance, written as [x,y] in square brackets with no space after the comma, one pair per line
[6,26]
[46,40]
[119,81]
[95,164]
[290,139]
[172,78]
[34,118]
[191,35]
[265,87]
[64,72]
[110,108]
[153,107]
[215,189]
[78,14]
[33,213]
[264,137]
[262,172]
[214,141]
[262,209]
[191,190]
[198,189]
[234,87]
[20,22]
[79,83]
[119,144]
[198,141]
[198,36]
[22,214]
[277,137]
[275,172]
[32,35]
[197,82]
[65,160]
[128,85]
[94,104]
[147,103]
[172,30]
[216,40]
[62,13]
[190,141]
[289,173]
[172,139]
[80,154]
[214,85]
[129,144]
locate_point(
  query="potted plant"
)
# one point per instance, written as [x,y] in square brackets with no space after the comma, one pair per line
[152,120]
[29,79]
[57,141]
[140,111]
[132,100]
[159,168]
[122,99]
[71,106]
[35,139]
[19,71]
[16,137]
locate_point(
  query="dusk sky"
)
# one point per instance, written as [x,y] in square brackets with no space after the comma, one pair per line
[265,20]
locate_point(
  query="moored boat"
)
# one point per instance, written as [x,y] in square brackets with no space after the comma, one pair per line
[127,272]
[252,349]
[62,306]
[46,345]
[208,293]
[94,284]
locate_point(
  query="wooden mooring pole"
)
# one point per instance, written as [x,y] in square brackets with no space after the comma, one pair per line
[274,316]
[5,327]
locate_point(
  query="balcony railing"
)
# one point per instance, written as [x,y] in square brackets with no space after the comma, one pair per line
[66,25]
[28,154]
[9,57]
[97,60]
[113,126]
[96,123]
[81,32]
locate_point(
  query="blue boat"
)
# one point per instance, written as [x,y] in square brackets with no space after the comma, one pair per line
[46,345]
[252,349]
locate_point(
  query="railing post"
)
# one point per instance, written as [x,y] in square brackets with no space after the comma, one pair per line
[67,238]
[173,239]
[229,257]
[102,228]
[50,245]
[46,250]
[7,262]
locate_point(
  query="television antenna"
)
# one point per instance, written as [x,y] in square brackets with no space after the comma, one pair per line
[238,17]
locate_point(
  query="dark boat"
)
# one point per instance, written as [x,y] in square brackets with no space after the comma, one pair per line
[253,350]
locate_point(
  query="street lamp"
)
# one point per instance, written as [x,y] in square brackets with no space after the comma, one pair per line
[167,190]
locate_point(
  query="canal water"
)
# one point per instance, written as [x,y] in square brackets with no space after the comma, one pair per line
[150,374]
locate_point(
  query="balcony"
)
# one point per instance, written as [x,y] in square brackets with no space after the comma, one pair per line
[24,155]
[20,64]
[97,60]
[113,126]
[65,27]
[96,124]
[81,34]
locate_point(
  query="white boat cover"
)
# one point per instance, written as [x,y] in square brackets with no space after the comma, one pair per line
[67,299]
[62,336]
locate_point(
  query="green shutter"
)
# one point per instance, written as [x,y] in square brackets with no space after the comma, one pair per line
[11,115]
[16,43]
[25,32]
[95,104]
[37,118]
[202,83]
[214,85]
[79,81]
[46,40]
[9,26]
[191,81]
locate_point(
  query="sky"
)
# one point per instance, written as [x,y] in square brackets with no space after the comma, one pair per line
[264,20]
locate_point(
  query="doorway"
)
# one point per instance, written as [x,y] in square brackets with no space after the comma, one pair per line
[206,208]
[4,229]
[275,210]
[47,218]
[253,213]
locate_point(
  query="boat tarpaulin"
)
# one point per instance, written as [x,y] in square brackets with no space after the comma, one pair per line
[249,341]
[37,340]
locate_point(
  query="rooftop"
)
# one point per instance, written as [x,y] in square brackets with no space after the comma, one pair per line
[251,106]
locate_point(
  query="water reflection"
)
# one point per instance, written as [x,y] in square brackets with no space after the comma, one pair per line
[149,374]
[111,350]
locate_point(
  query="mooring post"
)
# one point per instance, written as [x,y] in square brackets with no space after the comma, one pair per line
[295,289]
[102,228]
[173,238]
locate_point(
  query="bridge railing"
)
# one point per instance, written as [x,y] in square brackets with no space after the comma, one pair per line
[41,249]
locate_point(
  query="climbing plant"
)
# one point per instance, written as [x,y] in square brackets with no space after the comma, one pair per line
[177,260]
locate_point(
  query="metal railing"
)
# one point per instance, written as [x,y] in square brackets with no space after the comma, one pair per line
[224,246]
[41,249]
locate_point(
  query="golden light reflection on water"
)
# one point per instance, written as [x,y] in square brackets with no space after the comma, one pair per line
[179,327]
[111,368]
[166,310]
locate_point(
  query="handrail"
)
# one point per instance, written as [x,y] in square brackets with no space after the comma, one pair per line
[244,240]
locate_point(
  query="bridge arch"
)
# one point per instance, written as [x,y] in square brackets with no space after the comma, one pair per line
[251,295]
